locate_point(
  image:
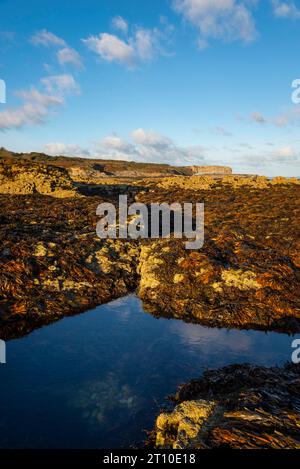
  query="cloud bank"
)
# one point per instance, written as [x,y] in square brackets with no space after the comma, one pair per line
[142,146]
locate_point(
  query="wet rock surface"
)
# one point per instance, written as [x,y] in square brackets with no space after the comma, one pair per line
[237,407]
[247,274]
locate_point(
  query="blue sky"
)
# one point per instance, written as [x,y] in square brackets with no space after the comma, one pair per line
[175,81]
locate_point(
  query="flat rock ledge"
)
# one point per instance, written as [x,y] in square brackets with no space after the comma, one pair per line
[236,407]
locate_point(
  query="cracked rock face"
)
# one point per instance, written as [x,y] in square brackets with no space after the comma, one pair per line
[237,407]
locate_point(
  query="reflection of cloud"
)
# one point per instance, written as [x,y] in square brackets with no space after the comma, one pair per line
[206,340]
[125,306]
[100,398]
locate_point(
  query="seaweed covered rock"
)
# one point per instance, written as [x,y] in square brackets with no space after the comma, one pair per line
[247,274]
[52,264]
[237,407]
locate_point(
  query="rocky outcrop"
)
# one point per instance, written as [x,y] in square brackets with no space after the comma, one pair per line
[86,175]
[22,179]
[237,407]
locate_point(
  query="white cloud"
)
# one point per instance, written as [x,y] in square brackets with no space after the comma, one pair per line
[141,45]
[150,138]
[58,148]
[290,116]
[285,9]
[258,117]
[34,110]
[229,20]
[202,44]
[148,146]
[285,157]
[284,154]
[34,96]
[117,144]
[110,48]
[37,105]
[46,38]
[222,131]
[61,84]
[67,55]
[145,43]
[120,24]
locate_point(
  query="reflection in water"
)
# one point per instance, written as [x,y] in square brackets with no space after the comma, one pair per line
[209,340]
[99,379]
[98,399]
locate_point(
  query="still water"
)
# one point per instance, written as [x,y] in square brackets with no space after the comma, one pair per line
[99,379]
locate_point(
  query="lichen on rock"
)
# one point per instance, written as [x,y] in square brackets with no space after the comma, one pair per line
[236,407]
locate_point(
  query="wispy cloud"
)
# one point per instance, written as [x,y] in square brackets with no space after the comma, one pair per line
[280,155]
[119,23]
[290,116]
[66,55]
[37,105]
[222,131]
[258,117]
[285,9]
[61,84]
[46,38]
[228,20]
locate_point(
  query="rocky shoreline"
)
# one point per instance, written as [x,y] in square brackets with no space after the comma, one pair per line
[245,276]
[52,264]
